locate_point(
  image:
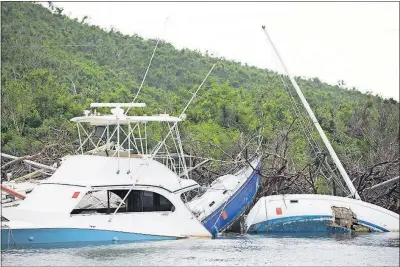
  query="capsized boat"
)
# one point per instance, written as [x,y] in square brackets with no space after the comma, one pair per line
[318,213]
[228,198]
[310,213]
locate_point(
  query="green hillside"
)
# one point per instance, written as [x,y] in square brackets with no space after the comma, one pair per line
[52,67]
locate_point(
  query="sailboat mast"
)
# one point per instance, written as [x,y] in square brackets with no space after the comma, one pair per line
[328,145]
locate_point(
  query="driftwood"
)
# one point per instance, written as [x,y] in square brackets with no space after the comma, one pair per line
[196,166]
[28,176]
[16,160]
[26,159]
[386,183]
[377,183]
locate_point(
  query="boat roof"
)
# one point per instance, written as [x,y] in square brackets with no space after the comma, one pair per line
[101,171]
[122,119]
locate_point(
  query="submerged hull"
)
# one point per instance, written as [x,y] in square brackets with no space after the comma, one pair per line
[318,214]
[230,211]
[30,237]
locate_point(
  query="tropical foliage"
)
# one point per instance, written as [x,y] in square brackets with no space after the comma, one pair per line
[53,66]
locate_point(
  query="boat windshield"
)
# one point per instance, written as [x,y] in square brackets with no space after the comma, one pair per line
[107,201]
[192,194]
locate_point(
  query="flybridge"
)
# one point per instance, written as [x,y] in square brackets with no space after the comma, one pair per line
[116,134]
[118,115]
[116,105]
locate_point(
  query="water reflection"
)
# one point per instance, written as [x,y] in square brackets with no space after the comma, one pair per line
[278,249]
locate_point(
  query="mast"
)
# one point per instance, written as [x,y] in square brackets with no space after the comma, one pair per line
[328,145]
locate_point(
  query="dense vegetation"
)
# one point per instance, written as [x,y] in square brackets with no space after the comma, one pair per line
[53,67]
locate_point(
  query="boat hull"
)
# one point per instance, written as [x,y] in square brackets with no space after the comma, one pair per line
[229,212]
[304,224]
[315,214]
[29,237]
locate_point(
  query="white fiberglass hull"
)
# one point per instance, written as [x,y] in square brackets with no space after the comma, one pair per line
[315,213]
[124,227]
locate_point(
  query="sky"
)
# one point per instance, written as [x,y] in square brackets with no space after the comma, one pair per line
[355,42]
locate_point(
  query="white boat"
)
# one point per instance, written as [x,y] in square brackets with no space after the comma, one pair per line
[318,213]
[309,213]
[117,189]
[149,193]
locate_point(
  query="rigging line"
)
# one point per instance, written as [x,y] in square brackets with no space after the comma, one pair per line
[248,144]
[222,211]
[318,127]
[336,178]
[304,125]
[309,137]
[163,141]
[148,67]
[296,110]
[333,174]
[184,110]
[321,164]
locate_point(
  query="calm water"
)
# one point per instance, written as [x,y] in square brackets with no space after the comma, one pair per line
[362,250]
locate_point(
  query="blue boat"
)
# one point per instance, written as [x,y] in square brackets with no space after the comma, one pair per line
[227,198]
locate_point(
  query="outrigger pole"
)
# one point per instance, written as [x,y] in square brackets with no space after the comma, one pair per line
[328,145]
[165,138]
[147,70]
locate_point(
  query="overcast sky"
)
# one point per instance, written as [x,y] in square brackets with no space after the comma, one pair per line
[355,42]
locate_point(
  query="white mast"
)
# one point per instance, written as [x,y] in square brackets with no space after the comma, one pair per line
[335,158]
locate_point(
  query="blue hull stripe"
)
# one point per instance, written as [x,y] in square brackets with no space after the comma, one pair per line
[235,205]
[307,223]
[368,224]
[70,235]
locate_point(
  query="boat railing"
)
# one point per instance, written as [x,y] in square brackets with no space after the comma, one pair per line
[123,136]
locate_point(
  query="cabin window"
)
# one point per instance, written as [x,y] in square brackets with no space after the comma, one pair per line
[106,202]
[294,201]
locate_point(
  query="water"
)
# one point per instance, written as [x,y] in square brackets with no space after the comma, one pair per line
[380,249]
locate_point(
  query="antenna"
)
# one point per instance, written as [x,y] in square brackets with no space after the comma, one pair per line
[148,67]
[315,121]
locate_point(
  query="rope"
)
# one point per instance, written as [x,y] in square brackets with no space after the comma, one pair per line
[222,210]
[10,234]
